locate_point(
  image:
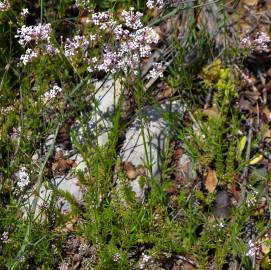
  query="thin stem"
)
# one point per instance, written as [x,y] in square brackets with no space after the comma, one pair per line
[35,201]
[177,9]
[41,11]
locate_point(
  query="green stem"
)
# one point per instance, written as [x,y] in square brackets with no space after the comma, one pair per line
[177,9]
[41,11]
[35,202]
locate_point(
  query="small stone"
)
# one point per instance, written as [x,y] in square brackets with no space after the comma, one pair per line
[67,183]
[222,204]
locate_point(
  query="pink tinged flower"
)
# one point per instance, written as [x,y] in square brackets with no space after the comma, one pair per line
[103,20]
[132,19]
[145,51]
[151,36]
[261,42]
[4,5]
[134,42]
[23,178]
[118,32]
[75,46]
[51,50]
[5,237]
[252,249]
[36,33]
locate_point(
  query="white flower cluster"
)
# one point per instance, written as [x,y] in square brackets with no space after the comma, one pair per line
[116,257]
[261,42]
[145,259]
[50,49]
[157,71]
[6,110]
[23,178]
[5,5]
[127,54]
[29,55]
[40,34]
[151,4]
[253,249]
[251,198]
[35,33]
[25,12]
[134,42]
[103,20]
[76,45]
[129,42]
[132,19]
[5,238]
[52,93]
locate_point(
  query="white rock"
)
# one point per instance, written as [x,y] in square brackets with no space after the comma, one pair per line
[67,184]
[185,161]
[49,140]
[141,150]
[107,97]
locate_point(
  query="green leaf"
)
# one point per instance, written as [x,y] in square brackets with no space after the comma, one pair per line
[256,159]
[241,147]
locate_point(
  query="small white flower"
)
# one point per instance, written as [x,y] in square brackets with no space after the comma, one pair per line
[116,257]
[132,19]
[28,56]
[23,178]
[4,5]
[52,93]
[92,37]
[252,249]
[73,47]
[157,71]
[260,43]
[145,259]
[25,12]
[37,33]
[4,238]
[63,266]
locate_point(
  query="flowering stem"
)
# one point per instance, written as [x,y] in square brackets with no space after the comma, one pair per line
[39,184]
[35,201]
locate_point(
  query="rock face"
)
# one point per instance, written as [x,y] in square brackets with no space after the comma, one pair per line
[107,97]
[67,183]
[145,142]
